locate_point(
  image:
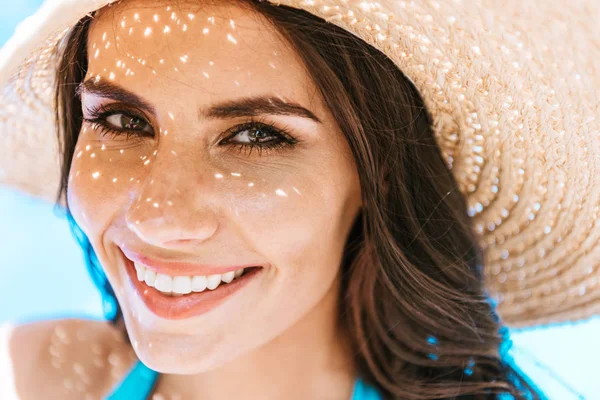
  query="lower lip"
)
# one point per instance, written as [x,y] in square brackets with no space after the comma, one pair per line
[188,305]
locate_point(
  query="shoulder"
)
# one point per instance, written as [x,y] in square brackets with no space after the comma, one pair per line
[62,359]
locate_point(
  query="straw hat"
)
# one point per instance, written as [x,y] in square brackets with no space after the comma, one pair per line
[511,86]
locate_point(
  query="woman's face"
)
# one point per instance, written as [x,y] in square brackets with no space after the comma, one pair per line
[178,185]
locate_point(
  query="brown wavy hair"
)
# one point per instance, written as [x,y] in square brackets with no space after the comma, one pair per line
[413,299]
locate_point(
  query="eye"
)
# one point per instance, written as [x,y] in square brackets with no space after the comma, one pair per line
[259,135]
[255,134]
[129,122]
[116,121]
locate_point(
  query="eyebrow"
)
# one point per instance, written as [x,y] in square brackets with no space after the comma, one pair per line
[243,107]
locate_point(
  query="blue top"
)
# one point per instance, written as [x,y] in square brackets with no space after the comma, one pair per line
[138,385]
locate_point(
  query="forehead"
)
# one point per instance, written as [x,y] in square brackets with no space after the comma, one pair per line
[215,47]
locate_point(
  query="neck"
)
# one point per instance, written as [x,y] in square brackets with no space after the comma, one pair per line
[312,359]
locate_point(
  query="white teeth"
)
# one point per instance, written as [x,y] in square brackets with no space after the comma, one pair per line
[150,277]
[164,283]
[199,283]
[141,272]
[228,276]
[182,284]
[213,281]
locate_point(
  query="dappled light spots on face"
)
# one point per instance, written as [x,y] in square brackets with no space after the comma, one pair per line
[204,140]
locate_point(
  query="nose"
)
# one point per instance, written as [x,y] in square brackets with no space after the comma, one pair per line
[175,203]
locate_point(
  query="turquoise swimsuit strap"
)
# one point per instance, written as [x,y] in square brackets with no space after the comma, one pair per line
[140,381]
[364,391]
[137,385]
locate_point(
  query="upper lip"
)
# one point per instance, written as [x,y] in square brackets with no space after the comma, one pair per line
[179,268]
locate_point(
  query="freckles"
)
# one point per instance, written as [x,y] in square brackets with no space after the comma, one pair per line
[98,165]
[279,210]
[249,195]
[100,175]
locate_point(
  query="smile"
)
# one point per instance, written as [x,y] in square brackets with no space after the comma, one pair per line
[182,285]
[185,296]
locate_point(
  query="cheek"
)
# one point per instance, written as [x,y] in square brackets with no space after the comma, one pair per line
[303,235]
[296,228]
[100,179]
[303,238]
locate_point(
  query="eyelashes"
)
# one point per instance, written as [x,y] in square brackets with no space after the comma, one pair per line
[261,136]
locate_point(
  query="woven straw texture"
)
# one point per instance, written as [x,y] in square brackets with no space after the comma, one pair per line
[512,87]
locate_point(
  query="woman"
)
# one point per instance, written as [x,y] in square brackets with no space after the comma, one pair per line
[261,195]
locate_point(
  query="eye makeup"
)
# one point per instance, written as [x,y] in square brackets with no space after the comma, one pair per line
[262,136]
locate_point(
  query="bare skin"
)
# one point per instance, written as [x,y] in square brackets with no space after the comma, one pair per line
[289,209]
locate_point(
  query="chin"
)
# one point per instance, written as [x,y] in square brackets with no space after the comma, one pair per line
[177,358]
[171,353]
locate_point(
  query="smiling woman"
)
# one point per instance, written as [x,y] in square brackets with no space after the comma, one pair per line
[186,211]
[224,181]
[262,197]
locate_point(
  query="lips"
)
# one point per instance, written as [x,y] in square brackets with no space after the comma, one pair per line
[189,305]
[175,268]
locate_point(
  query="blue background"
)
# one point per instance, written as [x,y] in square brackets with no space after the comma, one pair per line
[42,275]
